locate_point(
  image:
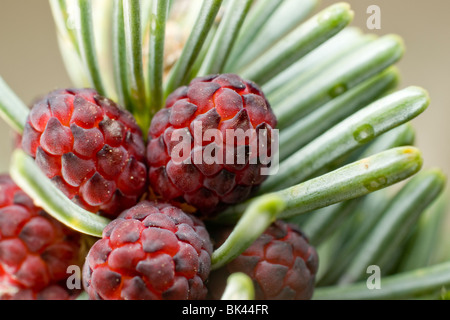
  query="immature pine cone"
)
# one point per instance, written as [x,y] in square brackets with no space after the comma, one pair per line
[92,150]
[35,249]
[206,179]
[281,262]
[153,251]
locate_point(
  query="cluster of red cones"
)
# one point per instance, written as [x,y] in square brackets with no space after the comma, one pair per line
[94,151]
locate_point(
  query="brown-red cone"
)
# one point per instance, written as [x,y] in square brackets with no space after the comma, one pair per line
[281,263]
[152,251]
[206,178]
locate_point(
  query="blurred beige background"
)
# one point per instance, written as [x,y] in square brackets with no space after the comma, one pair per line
[425,27]
[31,64]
